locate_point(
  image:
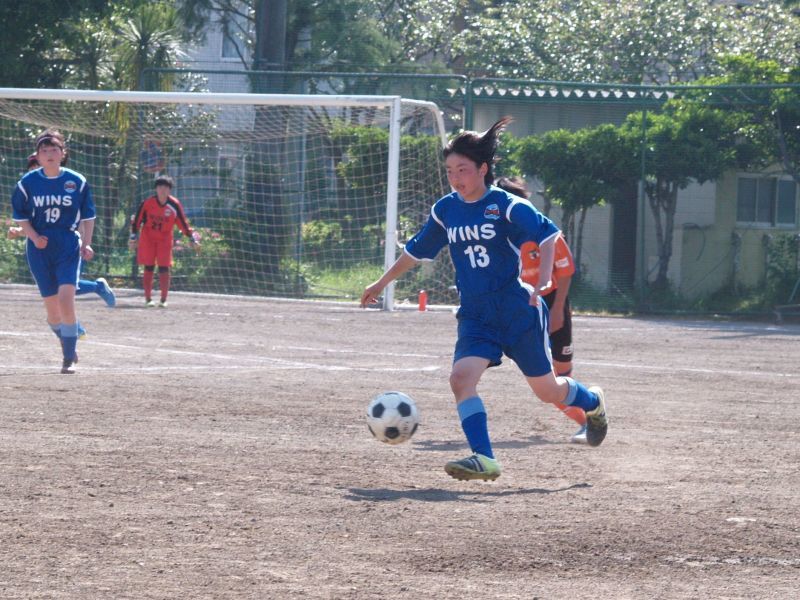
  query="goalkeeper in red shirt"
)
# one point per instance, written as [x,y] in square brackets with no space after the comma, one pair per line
[151,236]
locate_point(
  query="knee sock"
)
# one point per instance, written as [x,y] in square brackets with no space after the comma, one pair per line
[572,412]
[163,282]
[147,283]
[69,339]
[475,425]
[56,329]
[579,396]
[85,287]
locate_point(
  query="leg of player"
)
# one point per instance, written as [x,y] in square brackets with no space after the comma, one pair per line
[69,327]
[53,316]
[565,390]
[564,369]
[561,347]
[163,285]
[100,287]
[147,284]
[86,286]
[464,381]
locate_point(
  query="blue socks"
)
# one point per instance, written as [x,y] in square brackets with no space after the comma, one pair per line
[69,339]
[579,396]
[86,287]
[474,423]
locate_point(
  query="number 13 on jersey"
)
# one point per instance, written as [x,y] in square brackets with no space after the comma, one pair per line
[478,257]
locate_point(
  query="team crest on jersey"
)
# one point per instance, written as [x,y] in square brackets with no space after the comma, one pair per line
[492,212]
[168,212]
[70,186]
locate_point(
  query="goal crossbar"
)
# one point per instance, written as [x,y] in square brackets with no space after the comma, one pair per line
[207,98]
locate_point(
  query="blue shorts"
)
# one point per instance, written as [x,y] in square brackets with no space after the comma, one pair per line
[505,323]
[58,264]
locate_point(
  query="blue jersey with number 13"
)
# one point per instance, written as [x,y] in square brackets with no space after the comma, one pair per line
[483,238]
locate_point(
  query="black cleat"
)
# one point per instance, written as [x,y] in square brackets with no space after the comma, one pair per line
[68,366]
[597,420]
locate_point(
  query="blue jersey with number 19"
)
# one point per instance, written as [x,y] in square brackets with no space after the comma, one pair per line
[53,203]
[484,238]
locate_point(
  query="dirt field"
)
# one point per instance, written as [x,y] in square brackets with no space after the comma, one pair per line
[218,449]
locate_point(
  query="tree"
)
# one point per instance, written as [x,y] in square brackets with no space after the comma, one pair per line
[346,35]
[625,41]
[580,169]
[769,116]
[35,30]
[686,142]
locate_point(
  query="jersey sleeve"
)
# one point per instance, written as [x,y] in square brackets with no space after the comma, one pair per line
[138,220]
[531,225]
[180,217]
[430,239]
[22,210]
[564,263]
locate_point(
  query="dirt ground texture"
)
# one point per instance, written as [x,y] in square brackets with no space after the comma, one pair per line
[218,449]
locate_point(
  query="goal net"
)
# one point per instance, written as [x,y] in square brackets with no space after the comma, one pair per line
[293,196]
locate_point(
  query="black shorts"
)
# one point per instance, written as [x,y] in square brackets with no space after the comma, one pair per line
[561,340]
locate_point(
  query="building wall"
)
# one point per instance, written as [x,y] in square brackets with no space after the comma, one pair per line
[724,252]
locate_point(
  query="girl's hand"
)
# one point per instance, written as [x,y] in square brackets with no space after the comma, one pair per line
[40,241]
[370,295]
[87,253]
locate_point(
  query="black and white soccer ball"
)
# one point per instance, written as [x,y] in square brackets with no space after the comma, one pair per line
[392,417]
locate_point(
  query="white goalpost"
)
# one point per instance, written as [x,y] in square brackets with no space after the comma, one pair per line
[298,196]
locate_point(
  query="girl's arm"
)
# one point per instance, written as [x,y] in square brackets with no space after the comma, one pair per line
[87,231]
[402,265]
[547,251]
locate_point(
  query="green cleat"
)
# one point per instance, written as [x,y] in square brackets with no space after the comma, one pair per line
[597,420]
[149,303]
[476,466]
[162,304]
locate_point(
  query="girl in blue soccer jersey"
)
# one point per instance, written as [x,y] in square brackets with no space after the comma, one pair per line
[50,204]
[99,286]
[487,230]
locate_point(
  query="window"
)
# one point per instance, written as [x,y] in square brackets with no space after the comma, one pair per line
[787,203]
[234,31]
[231,46]
[766,201]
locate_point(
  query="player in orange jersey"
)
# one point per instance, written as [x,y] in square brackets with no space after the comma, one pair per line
[151,236]
[557,300]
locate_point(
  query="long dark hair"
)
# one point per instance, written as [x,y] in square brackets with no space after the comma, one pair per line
[479,147]
[514,185]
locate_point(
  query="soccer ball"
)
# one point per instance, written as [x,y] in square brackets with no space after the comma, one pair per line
[392,417]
